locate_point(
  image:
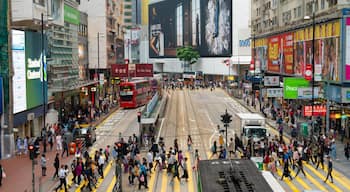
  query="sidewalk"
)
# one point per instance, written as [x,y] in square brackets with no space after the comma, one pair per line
[340,163]
[19,168]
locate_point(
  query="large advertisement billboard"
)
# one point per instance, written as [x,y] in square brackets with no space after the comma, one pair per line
[28,73]
[291,86]
[132,70]
[280,54]
[203,24]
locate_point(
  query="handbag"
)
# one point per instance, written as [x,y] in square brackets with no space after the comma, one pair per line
[3,174]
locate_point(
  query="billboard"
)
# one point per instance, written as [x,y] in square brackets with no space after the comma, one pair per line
[280,53]
[327,48]
[347,49]
[132,70]
[274,92]
[318,110]
[291,86]
[28,73]
[261,54]
[205,25]
[273,81]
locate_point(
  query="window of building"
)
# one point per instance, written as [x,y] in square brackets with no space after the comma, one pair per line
[40,2]
[179,25]
[299,11]
[322,4]
[196,20]
[128,7]
[295,13]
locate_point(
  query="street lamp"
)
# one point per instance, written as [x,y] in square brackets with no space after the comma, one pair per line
[313,63]
[97,76]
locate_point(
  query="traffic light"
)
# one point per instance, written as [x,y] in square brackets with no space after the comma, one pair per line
[223,118]
[31,152]
[139,116]
[36,151]
[229,120]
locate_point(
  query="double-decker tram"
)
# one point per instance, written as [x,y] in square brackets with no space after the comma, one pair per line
[135,93]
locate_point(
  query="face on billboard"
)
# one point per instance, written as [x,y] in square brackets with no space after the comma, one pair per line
[202,24]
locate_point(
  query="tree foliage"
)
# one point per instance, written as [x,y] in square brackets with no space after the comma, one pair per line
[187,54]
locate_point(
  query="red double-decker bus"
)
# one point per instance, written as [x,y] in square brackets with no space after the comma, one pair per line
[134,93]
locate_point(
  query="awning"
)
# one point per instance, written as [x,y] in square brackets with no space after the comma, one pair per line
[241,59]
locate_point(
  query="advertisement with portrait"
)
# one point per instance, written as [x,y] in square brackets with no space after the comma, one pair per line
[261,53]
[326,51]
[274,50]
[56,10]
[203,24]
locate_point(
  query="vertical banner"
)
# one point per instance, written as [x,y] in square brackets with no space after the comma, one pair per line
[274,52]
[347,49]
[287,53]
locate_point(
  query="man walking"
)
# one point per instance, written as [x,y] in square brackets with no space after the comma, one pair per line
[62,175]
[65,147]
[101,162]
[56,164]
[300,167]
[43,165]
[330,169]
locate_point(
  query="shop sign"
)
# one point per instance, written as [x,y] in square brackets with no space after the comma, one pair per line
[274,92]
[291,86]
[272,81]
[319,110]
[71,15]
[306,92]
[132,70]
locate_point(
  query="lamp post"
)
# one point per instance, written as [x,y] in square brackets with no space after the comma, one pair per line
[313,65]
[253,89]
[43,71]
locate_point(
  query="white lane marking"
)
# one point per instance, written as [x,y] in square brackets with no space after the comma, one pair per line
[160,129]
[211,122]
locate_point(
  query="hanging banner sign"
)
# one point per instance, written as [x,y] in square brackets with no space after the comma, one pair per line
[319,110]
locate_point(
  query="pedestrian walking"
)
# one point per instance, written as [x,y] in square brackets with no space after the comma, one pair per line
[333,150]
[320,159]
[58,142]
[149,157]
[286,171]
[189,143]
[62,173]
[347,150]
[300,168]
[43,165]
[78,172]
[214,150]
[65,147]
[56,164]
[50,140]
[2,174]
[73,165]
[143,176]
[231,147]
[101,162]
[175,171]
[44,142]
[330,169]
[184,168]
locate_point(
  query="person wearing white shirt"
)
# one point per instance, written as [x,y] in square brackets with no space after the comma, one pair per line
[101,162]
[62,173]
[150,160]
[58,142]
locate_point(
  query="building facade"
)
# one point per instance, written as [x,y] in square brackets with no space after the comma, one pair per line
[304,43]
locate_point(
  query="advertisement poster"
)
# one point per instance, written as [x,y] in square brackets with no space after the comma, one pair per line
[347,49]
[34,76]
[261,53]
[207,28]
[326,51]
[132,70]
[274,51]
[286,56]
[19,68]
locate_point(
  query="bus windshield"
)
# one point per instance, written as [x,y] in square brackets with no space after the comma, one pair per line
[256,132]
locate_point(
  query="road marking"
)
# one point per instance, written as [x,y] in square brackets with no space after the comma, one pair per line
[339,177]
[299,180]
[152,180]
[164,180]
[160,129]
[288,182]
[189,170]
[322,177]
[111,185]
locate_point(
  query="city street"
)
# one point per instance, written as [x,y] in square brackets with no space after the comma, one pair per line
[196,113]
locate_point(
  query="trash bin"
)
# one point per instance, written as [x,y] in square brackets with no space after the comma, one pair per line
[72,148]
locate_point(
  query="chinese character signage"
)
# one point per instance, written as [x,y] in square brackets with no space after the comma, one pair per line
[274,92]
[272,81]
[319,110]
[137,70]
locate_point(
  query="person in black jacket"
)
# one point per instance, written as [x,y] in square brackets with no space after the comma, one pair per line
[330,169]
[56,164]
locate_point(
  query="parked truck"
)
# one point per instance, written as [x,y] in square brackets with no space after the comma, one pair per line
[250,125]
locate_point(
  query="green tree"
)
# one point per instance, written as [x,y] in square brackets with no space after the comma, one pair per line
[188,55]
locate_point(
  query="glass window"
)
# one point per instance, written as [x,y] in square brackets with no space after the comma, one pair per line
[179,25]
